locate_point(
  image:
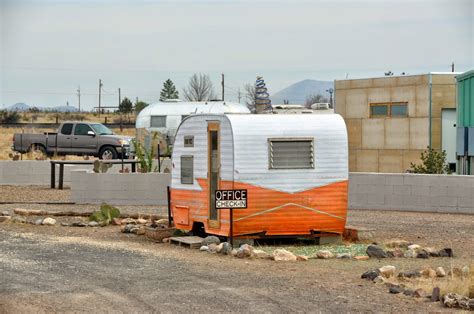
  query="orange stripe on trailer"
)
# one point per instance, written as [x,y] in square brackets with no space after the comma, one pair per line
[322,209]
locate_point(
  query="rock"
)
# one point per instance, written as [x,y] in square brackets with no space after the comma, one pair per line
[302,258]
[226,248]
[378,279]
[134,230]
[361,257]
[415,247]
[212,247]
[395,290]
[64,224]
[422,254]
[234,252]
[282,255]
[261,254]
[141,221]
[78,224]
[409,274]
[370,274]
[446,252]
[396,243]
[5,213]
[325,254]
[245,251]
[411,253]
[343,256]
[38,221]
[204,248]
[5,218]
[395,253]
[387,271]
[49,221]
[19,219]
[454,300]
[128,228]
[161,221]
[435,294]
[431,252]
[128,221]
[211,239]
[375,251]
[428,273]
[419,293]
[219,247]
[409,292]
[93,224]
[141,230]
[166,240]
[116,221]
[440,272]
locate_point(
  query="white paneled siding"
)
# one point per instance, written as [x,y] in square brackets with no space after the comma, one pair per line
[244,149]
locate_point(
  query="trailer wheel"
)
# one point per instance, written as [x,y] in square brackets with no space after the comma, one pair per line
[108,152]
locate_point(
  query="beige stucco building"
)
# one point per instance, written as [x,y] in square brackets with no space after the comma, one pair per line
[391,120]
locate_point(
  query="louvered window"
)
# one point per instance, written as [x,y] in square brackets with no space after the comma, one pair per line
[291,153]
[187,169]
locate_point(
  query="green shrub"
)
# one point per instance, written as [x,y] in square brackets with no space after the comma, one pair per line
[432,162]
[105,215]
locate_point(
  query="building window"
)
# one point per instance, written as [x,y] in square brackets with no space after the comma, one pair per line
[188,141]
[158,121]
[291,153]
[187,170]
[391,109]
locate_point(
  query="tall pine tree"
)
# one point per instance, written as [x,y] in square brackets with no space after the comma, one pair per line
[168,91]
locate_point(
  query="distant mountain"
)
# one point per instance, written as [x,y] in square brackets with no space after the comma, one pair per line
[18,107]
[297,93]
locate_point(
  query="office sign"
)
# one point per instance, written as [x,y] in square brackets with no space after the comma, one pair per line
[231,199]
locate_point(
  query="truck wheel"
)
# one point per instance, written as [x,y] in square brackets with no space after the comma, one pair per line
[39,148]
[108,152]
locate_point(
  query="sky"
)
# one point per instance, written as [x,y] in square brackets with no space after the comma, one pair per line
[49,48]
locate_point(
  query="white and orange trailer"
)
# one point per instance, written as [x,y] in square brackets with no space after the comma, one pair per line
[294,168]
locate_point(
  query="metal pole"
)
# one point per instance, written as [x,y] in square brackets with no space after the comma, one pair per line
[231,227]
[122,158]
[159,159]
[168,194]
[21,145]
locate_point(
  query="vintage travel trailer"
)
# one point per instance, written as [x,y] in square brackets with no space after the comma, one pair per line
[294,168]
[165,117]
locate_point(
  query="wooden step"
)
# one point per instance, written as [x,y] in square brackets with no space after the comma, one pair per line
[192,242]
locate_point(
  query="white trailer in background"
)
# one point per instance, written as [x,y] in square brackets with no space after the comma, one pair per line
[165,117]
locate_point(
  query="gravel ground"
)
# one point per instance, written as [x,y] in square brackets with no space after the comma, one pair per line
[33,193]
[100,269]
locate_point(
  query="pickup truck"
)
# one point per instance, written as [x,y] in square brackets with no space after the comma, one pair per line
[75,138]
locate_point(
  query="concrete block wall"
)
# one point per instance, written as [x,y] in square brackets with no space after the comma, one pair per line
[37,172]
[411,192]
[120,188]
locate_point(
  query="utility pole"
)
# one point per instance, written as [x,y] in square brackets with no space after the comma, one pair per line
[222,82]
[238,94]
[120,98]
[100,91]
[452,67]
[79,96]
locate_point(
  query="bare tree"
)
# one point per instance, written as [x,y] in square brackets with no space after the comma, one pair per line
[315,98]
[199,88]
[250,96]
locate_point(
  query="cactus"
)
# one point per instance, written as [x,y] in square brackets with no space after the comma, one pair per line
[100,167]
[105,215]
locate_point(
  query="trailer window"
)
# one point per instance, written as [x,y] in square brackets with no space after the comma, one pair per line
[291,153]
[188,141]
[187,175]
[66,129]
[158,121]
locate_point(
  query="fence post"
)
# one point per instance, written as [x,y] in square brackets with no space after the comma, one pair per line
[159,159]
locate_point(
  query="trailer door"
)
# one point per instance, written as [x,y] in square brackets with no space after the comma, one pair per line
[214,164]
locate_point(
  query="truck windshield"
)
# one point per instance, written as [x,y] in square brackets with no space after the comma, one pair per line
[101,129]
